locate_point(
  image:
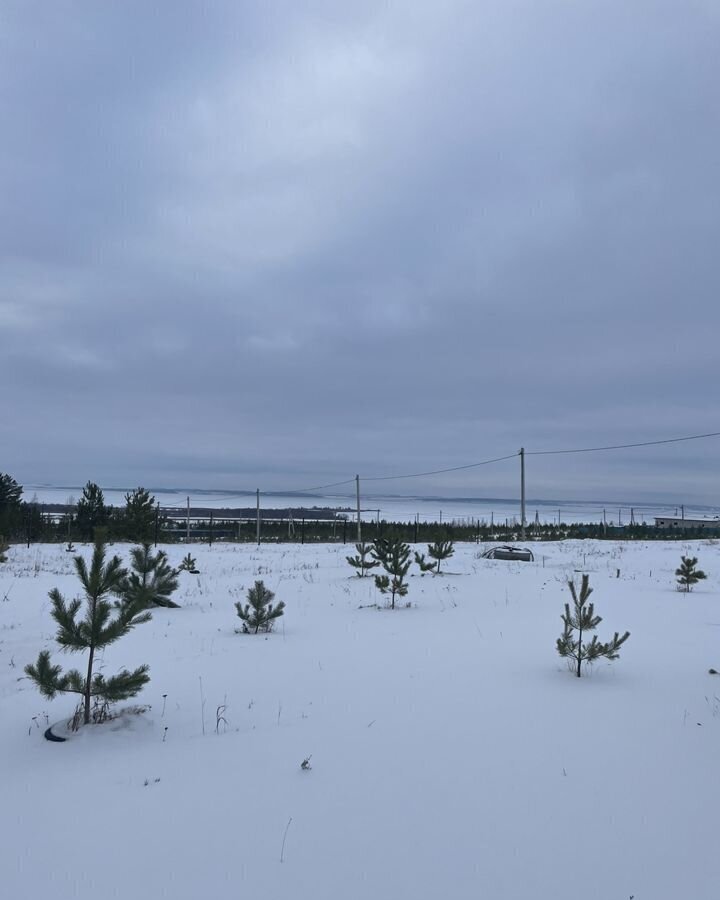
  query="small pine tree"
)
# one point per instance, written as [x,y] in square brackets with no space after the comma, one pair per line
[259,612]
[139,515]
[394,556]
[425,566]
[10,492]
[688,574]
[94,631]
[362,562]
[10,504]
[91,510]
[441,550]
[151,581]
[583,619]
[380,550]
[188,564]
[3,549]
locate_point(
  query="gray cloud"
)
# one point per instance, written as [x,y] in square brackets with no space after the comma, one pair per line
[258,242]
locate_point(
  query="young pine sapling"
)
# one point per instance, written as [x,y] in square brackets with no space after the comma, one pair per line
[151,581]
[259,612]
[394,556]
[582,619]
[439,551]
[688,573]
[362,563]
[188,565]
[425,566]
[94,631]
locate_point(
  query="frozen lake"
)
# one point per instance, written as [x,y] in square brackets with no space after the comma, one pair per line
[396,508]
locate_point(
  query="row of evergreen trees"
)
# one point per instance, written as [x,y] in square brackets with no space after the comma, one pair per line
[393,556]
[138,520]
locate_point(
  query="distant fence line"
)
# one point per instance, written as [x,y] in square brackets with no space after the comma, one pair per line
[57,522]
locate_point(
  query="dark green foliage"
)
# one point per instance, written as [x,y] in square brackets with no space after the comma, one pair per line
[688,573]
[394,556]
[582,619]
[31,518]
[91,511]
[441,550]
[96,629]
[3,549]
[140,513]
[10,492]
[188,565]
[259,612]
[362,562]
[380,549]
[10,514]
[425,566]
[151,581]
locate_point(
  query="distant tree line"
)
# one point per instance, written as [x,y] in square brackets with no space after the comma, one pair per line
[90,519]
[140,520]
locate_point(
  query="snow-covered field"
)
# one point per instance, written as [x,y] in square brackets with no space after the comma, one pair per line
[452,753]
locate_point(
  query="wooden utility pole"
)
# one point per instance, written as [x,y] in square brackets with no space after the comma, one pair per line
[187,521]
[257,515]
[522,493]
[357,498]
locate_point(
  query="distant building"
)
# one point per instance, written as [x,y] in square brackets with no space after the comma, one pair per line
[680,523]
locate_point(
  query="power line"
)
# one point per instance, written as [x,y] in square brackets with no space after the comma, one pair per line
[691,437]
[475,465]
[319,487]
[485,462]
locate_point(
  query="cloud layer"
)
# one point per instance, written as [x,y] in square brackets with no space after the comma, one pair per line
[278,243]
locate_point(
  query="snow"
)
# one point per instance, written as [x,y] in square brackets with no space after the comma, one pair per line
[452,752]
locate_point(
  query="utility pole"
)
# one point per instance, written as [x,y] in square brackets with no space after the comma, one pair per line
[357,498]
[257,516]
[522,493]
[187,521]
[157,521]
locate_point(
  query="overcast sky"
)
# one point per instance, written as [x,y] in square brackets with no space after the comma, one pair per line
[273,244]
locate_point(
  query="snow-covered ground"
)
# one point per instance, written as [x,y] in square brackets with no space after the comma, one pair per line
[452,753]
